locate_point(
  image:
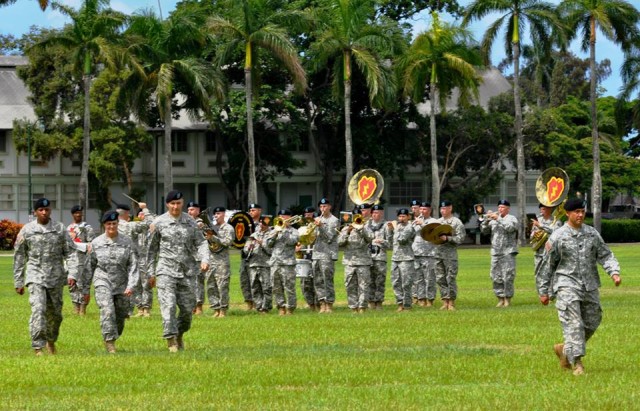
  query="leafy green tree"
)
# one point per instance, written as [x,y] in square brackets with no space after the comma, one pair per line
[628,112]
[258,25]
[91,38]
[169,61]
[443,58]
[515,15]
[617,20]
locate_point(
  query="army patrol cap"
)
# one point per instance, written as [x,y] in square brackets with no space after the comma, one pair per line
[356,211]
[504,202]
[415,203]
[377,207]
[76,208]
[425,204]
[41,203]
[324,200]
[254,205]
[403,211]
[193,204]
[575,204]
[173,195]
[365,206]
[445,203]
[109,216]
[309,209]
[219,210]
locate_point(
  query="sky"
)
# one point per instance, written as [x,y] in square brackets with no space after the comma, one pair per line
[17,18]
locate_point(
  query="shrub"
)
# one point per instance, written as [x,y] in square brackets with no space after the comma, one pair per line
[623,230]
[8,232]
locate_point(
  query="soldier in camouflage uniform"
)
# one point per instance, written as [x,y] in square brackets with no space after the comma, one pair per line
[255,211]
[281,242]
[193,209]
[570,271]
[325,254]
[112,267]
[40,249]
[424,284]
[357,263]
[145,297]
[380,243]
[447,256]
[80,232]
[504,248]
[402,260]
[306,252]
[544,222]
[175,243]
[257,262]
[219,271]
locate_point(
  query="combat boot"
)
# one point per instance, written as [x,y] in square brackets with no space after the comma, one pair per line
[140,312]
[38,352]
[422,302]
[329,308]
[180,342]
[414,300]
[362,310]
[282,311]
[578,368]
[223,313]
[313,307]
[507,301]
[323,307]
[445,305]
[76,308]
[172,343]
[452,305]
[146,312]
[429,303]
[110,346]
[500,302]
[198,309]
[373,305]
[354,310]
[400,308]
[216,313]
[290,311]
[250,305]
[379,305]
[83,309]
[559,350]
[51,347]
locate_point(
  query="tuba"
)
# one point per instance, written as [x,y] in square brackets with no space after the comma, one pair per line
[552,188]
[366,186]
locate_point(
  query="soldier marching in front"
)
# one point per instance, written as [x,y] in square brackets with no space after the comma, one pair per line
[112,267]
[325,254]
[175,244]
[80,232]
[281,242]
[257,262]
[504,248]
[40,249]
[380,243]
[218,276]
[402,260]
[570,272]
[424,284]
[447,256]
[356,238]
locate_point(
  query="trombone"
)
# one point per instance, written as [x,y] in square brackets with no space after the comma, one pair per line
[280,223]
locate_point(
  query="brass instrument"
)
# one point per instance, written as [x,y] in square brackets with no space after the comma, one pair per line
[280,223]
[208,227]
[552,188]
[358,222]
[482,214]
[307,233]
[432,232]
[366,186]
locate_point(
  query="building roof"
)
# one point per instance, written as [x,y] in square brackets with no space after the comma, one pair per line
[14,97]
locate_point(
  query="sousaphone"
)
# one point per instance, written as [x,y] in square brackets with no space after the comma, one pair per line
[366,186]
[552,188]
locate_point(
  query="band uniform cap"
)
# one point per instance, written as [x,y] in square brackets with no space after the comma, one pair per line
[425,204]
[193,204]
[365,206]
[219,210]
[309,209]
[254,205]
[76,208]
[173,195]
[504,202]
[109,216]
[284,211]
[575,204]
[41,203]
[356,210]
[377,207]
[445,203]
[324,200]
[403,211]
[415,203]
[123,207]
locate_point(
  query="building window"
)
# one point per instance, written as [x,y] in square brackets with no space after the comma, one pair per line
[179,142]
[209,142]
[37,191]
[402,192]
[3,141]
[298,142]
[69,196]
[7,197]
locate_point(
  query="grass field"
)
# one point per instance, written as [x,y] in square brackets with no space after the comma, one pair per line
[478,357]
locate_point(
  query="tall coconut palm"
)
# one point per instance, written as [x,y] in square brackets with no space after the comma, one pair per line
[254,25]
[168,62]
[91,38]
[617,20]
[514,15]
[443,58]
[630,72]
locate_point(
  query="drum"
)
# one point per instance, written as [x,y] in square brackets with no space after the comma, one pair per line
[303,268]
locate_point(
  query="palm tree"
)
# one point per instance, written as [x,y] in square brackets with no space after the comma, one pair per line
[254,25]
[168,62]
[515,14]
[91,38]
[617,21]
[349,34]
[630,73]
[444,58]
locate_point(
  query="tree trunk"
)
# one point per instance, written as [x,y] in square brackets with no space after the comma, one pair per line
[168,161]
[433,150]
[596,188]
[83,187]
[520,164]
[253,187]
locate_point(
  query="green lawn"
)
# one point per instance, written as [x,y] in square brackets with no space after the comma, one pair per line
[478,357]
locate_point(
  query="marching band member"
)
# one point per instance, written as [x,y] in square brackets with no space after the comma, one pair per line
[257,262]
[281,241]
[80,232]
[355,238]
[194,209]
[219,272]
[306,283]
[380,243]
[544,222]
[424,284]
[447,257]
[255,211]
[325,254]
[402,260]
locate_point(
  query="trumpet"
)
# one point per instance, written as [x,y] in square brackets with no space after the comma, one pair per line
[358,222]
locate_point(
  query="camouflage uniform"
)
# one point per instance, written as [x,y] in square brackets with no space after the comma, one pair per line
[424,283]
[570,272]
[136,230]
[403,264]
[257,262]
[219,271]
[378,249]
[357,264]
[112,266]
[83,234]
[447,259]
[281,244]
[504,248]
[548,225]
[174,246]
[325,254]
[306,283]
[39,254]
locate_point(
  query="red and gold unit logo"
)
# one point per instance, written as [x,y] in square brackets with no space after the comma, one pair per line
[367,187]
[555,187]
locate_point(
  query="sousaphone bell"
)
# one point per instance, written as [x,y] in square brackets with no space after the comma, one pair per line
[366,186]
